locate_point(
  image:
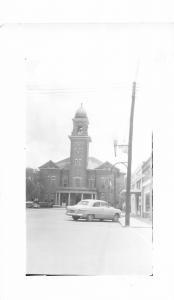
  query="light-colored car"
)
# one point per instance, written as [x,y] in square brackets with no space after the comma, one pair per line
[93,209]
[36,205]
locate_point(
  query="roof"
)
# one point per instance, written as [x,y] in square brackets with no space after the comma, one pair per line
[49,165]
[107,166]
[81,113]
[64,163]
[93,163]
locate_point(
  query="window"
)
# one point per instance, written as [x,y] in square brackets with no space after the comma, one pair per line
[138,184]
[104,204]
[147,202]
[106,182]
[103,182]
[46,197]
[96,204]
[51,177]
[77,181]
[65,181]
[52,196]
[91,183]
[77,161]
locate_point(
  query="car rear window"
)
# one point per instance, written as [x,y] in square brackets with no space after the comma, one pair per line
[96,204]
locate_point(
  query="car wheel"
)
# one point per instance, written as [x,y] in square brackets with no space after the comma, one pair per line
[100,220]
[115,218]
[75,218]
[90,218]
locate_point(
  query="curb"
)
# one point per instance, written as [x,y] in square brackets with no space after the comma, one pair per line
[134,223]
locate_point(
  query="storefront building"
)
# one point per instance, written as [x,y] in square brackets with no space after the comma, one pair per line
[142,190]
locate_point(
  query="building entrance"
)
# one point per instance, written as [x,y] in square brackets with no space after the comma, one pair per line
[71,198]
[63,199]
[77,198]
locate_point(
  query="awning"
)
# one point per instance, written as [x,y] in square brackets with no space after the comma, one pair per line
[137,192]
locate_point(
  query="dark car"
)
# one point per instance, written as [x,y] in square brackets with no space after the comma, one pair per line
[29,204]
[43,204]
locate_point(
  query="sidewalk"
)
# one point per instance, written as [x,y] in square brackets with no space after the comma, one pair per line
[136,222]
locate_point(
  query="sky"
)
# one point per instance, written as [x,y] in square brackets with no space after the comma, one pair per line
[93,64]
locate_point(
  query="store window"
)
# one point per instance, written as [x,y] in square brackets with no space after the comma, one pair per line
[138,185]
[147,203]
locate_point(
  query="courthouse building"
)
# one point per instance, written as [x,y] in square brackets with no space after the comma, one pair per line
[79,176]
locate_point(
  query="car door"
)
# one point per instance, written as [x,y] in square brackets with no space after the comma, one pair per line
[107,211]
[97,210]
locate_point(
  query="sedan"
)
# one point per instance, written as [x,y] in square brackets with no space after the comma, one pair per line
[93,209]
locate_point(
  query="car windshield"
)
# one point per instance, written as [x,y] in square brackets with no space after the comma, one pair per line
[83,202]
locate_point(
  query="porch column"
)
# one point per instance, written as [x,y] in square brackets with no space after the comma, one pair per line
[59,199]
[92,196]
[69,199]
[56,202]
[82,196]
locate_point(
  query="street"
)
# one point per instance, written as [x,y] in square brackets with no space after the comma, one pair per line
[58,245]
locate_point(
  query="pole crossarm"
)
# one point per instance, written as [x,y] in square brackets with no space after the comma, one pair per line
[116,145]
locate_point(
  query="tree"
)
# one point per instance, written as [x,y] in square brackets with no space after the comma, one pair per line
[34,187]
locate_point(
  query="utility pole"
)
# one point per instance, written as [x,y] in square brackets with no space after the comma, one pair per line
[128,184]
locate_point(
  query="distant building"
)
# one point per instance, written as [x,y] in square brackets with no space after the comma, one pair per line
[79,176]
[142,190]
[136,188]
[147,188]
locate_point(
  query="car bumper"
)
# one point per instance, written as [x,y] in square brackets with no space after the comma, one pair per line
[75,214]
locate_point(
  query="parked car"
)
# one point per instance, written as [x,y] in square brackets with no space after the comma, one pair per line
[93,209]
[36,205]
[29,204]
[45,203]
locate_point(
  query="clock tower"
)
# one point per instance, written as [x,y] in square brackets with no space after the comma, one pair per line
[79,149]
